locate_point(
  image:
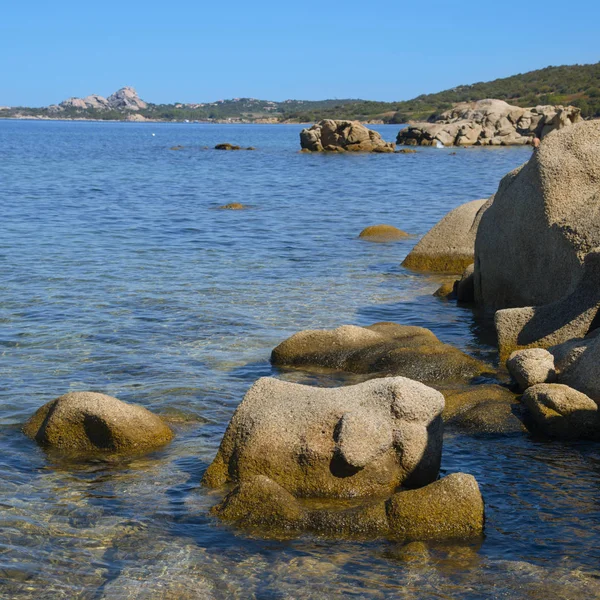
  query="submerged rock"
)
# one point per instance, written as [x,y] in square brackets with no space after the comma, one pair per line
[449,245]
[227,146]
[562,412]
[449,508]
[91,423]
[489,122]
[483,409]
[350,136]
[382,233]
[233,206]
[447,291]
[355,441]
[382,348]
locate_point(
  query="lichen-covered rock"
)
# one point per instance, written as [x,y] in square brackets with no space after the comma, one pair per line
[449,245]
[562,412]
[483,409]
[350,136]
[450,507]
[89,423]
[382,233]
[530,367]
[572,316]
[360,440]
[382,348]
[489,122]
[533,239]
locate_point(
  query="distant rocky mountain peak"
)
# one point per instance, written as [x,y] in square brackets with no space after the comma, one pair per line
[124,99]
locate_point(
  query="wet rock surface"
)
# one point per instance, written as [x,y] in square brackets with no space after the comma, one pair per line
[382,233]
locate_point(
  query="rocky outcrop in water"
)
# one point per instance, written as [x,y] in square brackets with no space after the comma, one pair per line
[87,423]
[382,233]
[489,123]
[354,441]
[287,441]
[449,245]
[343,136]
[379,349]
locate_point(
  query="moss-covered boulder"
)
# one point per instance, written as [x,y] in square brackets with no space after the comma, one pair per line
[382,348]
[449,508]
[483,409]
[382,233]
[83,423]
[559,411]
[449,246]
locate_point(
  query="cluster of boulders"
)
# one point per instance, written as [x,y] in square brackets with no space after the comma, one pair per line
[378,443]
[535,253]
[343,136]
[489,123]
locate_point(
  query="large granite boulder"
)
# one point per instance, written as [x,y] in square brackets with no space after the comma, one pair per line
[126,99]
[532,240]
[449,508]
[450,245]
[357,441]
[350,136]
[560,411]
[489,123]
[87,423]
[379,349]
[579,366]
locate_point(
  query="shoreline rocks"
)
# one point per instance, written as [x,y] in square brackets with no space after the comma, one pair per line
[489,123]
[449,246]
[88,423]
[343,136]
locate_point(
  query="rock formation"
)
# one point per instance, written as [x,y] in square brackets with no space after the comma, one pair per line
[287,442]
[87,423]
[355,441]
[489,122]
[531,367]
[545,218]
[125,99]
[343,136]
[449,245]
[379,349]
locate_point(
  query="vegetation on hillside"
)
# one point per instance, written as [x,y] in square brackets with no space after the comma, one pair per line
[578,85]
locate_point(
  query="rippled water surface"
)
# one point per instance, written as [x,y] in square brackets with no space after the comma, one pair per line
[119,275]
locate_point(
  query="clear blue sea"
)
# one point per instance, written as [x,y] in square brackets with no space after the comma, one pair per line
[118,274]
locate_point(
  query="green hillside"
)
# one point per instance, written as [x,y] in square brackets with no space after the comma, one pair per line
[575,84]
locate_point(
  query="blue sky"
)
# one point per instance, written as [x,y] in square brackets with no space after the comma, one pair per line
[195,51]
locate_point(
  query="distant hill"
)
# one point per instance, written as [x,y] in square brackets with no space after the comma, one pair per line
[578,85]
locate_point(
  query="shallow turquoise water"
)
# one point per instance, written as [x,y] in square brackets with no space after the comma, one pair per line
[119,275]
